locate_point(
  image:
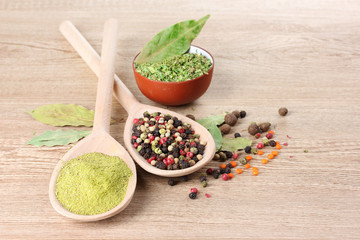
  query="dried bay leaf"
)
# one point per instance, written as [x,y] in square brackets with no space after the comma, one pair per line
[233,144]
[58,137]
[211,120]
[172,41]
[216,134]
[60,115]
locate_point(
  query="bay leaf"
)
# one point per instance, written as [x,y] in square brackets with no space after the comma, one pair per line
[216,134]
[172,41]
[211,120]
[59,115]
[233,144]
[58,137]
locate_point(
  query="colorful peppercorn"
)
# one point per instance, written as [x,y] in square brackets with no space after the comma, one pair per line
[264,161]
[192,195]
[225,177]
[194,190]
[239,170]
[260,146]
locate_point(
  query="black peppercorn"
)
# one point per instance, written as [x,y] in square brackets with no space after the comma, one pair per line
[160,164]
[222,170]
[216,174]
[192,195]
[236,135]
[247,149]
[283,111]
[228,154]
[272,143]
[227,170]
[229,165]
[171,182]
[242,114]
[203,178]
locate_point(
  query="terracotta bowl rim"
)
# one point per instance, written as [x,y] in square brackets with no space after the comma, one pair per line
[191,80]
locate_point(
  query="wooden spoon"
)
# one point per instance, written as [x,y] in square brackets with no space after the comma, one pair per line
[136,109]
[99,140]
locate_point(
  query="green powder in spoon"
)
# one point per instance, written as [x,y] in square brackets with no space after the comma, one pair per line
[92,183]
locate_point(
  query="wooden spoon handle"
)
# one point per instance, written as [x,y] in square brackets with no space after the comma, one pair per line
[92,58]
[106,77]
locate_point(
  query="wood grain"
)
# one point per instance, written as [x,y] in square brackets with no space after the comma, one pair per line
[304,55]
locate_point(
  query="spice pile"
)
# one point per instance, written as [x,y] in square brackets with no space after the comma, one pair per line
[242,159]
[92,183]
[166,142]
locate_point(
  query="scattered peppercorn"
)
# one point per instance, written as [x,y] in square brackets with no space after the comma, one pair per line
[260,146]
[216,157]
[270,156]
[253,129]
[223,156]
[242,114]
[216,174]
[235,156]
[239,170]
[236,135]
[204,183]
[228,154]
[264,161]
[225,177]
[171,182]
[272,143]
[305,151]
[225,128]
[260,152]
[243,161]
[192,195]
[194,190]
[203,178]
[275,153]
[209,171]
[191,116]
[236,113]
[231,175]
[264,127]
[255,172]
[257,135]
[247,166]
[230,119]
[283,111]
[269,135]
[247,149]
[228,170]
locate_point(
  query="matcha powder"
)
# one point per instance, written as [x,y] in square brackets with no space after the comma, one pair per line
[92,183]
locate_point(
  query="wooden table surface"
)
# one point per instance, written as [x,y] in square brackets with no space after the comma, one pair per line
[304,55]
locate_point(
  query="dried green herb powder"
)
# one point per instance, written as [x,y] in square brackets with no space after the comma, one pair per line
[176,69]
[92,183]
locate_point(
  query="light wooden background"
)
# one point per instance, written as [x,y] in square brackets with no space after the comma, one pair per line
[304,55]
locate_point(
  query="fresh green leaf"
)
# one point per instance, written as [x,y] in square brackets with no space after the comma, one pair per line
[216,134]
[64,115]
[58,137]
[174,40]
[233,144]
[211,120]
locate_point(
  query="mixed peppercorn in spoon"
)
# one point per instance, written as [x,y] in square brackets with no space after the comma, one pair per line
[166,142]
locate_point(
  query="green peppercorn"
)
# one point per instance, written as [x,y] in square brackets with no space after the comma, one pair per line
[204,183]
[243,161]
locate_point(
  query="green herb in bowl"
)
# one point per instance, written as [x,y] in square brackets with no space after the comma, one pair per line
[176,69]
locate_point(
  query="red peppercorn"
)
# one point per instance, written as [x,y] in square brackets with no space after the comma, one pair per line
[170,161]
[157,118]
[189,154]
[182,152]
[269,136]
[194,190]
[163,140]
[235,156]
[257,135]
[151,137]
[260,145]
[136,120]
[181,130]
[225,177]
[193,144]
[209,171]
[134,137]
[136,145]
[148,160]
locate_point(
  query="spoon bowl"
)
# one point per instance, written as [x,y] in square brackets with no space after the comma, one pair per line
[96,142]
[99,140]
[135,109]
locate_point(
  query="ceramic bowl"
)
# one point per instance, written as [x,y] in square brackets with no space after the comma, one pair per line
[176,93]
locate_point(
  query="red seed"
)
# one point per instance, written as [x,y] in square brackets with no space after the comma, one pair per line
[182,152]
[181,130]
[189,154]
[163,140]
[134,137]
[269,136]
[194,190]
[209,171]
[193,144]
[285,144]
[136,145]
[257,135]
[136,120]
[207,195]
[260,145]
[235,156]
[157,118]
[225,177]
[291,156]
[148,160]
[151,137]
